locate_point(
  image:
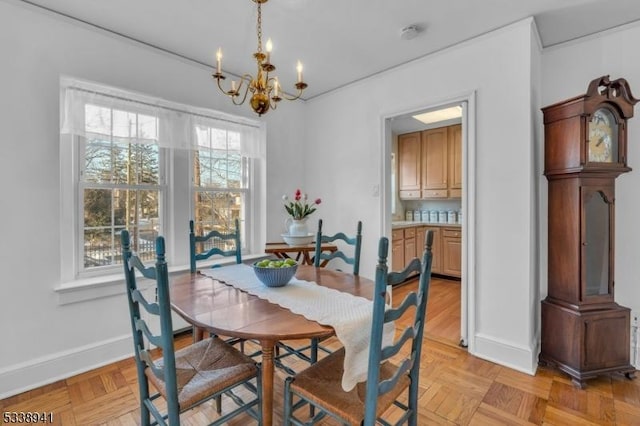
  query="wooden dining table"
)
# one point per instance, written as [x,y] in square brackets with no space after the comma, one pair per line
[302,252]
[222,309]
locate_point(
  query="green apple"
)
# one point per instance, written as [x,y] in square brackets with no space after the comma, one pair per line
[289,262]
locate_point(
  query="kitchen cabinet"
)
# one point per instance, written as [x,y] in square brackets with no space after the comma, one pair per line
[452,252]
[430,164]
[397,250]
[403,247]
[436,248]
[409,245]
[434,161]
[455,161]
[409,163]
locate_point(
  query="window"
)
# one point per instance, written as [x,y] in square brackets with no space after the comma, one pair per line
[119,184]
[129,162]
[220,181]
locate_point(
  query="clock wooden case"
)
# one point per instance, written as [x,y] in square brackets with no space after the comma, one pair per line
[585,333]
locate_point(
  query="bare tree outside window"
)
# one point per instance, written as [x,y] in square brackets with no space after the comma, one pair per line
[220,177]
[120,184]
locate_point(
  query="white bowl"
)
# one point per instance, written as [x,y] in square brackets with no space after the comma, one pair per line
[298,240]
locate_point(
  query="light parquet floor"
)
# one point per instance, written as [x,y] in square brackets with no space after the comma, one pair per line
[455,387]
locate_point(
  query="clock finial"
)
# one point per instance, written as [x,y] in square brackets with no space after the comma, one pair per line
[603,86]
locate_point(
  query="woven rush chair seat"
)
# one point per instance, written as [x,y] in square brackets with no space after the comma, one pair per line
[191,376]
[321,384]
[208,366]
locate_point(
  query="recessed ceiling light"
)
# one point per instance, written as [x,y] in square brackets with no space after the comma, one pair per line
[439,115]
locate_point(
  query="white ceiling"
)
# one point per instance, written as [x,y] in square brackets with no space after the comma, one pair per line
[338,41]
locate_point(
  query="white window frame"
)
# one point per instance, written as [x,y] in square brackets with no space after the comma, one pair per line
[176,205]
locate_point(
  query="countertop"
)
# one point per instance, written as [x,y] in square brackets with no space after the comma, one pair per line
[408,224]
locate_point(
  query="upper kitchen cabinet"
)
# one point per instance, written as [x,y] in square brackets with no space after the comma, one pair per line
[434,163]
[430,163]
[455,161]
[409,163]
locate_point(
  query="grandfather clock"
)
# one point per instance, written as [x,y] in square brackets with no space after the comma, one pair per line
[585,333]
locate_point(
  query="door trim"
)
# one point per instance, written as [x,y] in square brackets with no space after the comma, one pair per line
[468,280]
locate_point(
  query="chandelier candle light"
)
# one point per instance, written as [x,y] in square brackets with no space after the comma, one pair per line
[265,90]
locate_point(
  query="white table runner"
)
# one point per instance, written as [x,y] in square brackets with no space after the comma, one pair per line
[349,315]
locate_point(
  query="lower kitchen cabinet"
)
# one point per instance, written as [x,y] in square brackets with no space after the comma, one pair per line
[436,248]
[397,250]
[452,248]
[407,243]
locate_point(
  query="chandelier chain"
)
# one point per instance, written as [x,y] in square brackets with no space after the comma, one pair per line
[259,27]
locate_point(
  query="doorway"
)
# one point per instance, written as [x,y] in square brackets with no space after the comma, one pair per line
[453,205]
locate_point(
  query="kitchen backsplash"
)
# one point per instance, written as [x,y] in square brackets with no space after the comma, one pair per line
[431,206]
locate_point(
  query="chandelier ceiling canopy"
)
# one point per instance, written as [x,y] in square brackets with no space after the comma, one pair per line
[265,88]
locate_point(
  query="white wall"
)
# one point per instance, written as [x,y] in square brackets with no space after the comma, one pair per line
[42,340]
[344,135]
[567,71]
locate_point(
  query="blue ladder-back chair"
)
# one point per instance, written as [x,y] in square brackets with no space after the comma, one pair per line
[320,384]
[213,237]
[321,259]
[186,378]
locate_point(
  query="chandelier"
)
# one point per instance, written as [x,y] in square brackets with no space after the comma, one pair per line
[265,90]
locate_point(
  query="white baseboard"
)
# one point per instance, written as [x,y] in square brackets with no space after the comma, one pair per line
[51,368]
[517,357]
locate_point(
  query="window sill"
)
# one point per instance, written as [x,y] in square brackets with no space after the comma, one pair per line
[85,289]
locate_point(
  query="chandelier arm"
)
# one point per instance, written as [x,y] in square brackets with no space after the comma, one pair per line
[244,98]
[220,86]
[247,80]
[291,98]
[272,104]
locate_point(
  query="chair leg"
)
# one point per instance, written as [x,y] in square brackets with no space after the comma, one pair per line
[198,334]
[288,398]
[145,416]
[314,359]
[412,403]
[219,404]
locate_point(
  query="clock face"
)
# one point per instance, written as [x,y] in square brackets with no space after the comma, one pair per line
[603,137]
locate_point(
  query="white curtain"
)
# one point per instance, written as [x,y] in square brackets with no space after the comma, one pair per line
[92,110]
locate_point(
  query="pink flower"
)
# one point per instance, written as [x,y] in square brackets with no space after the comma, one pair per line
[299,207]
